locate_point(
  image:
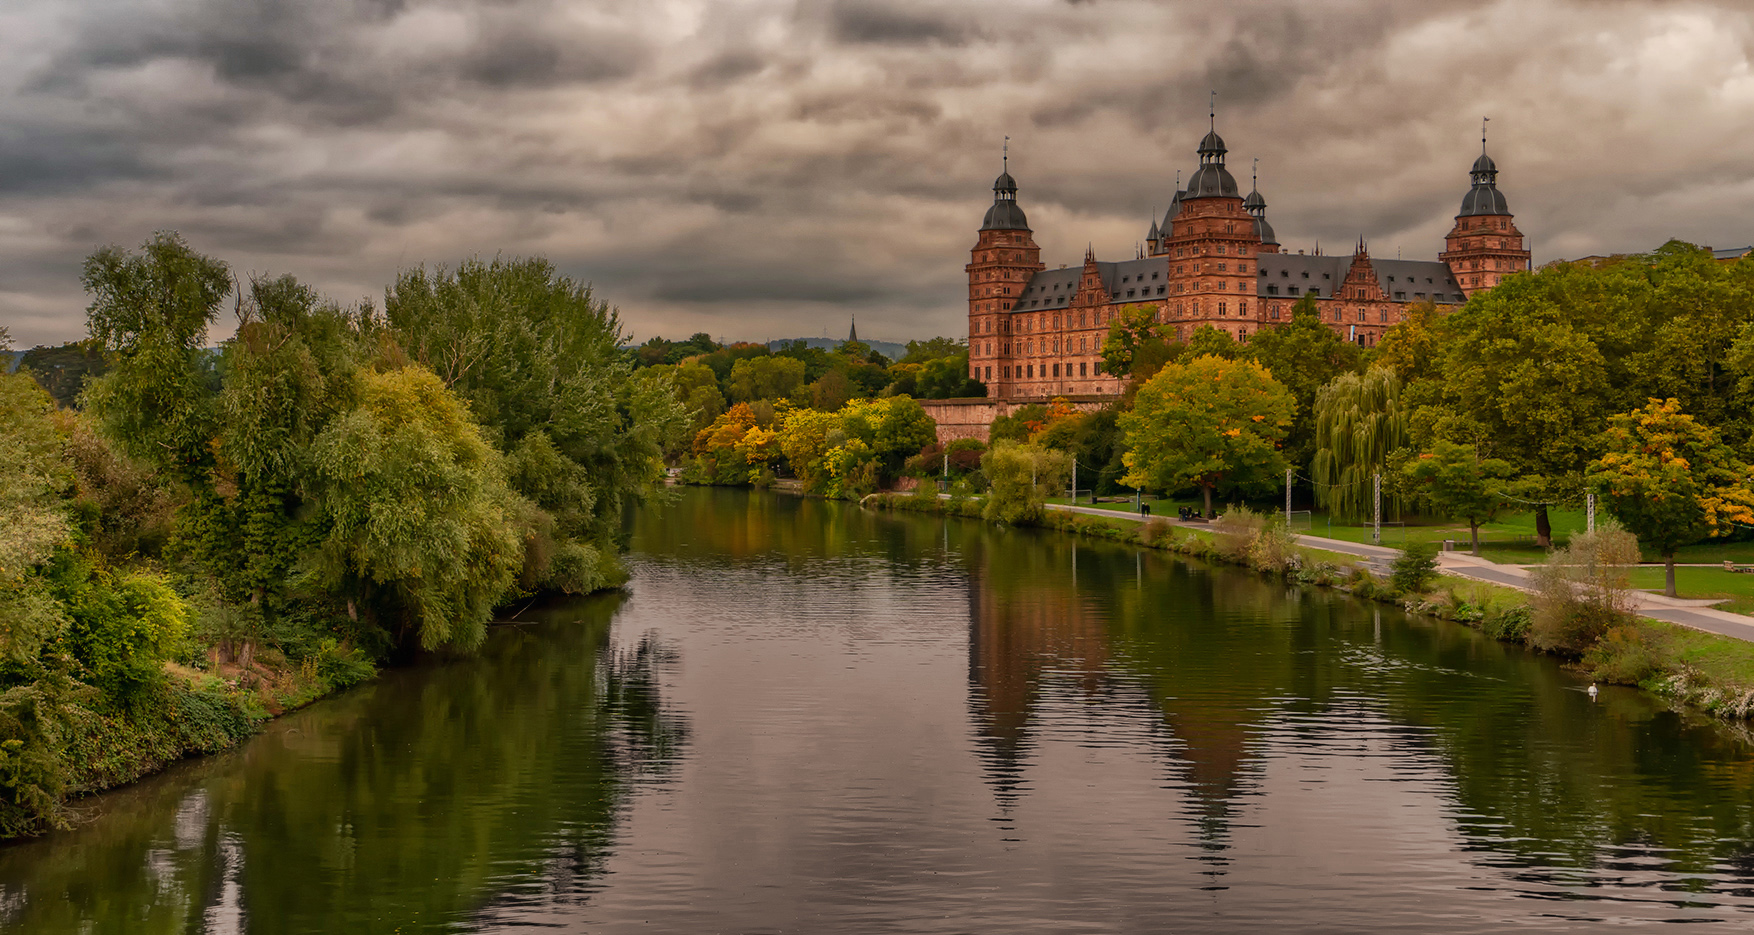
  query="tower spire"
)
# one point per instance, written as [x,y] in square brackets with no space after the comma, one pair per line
[1483,122]
[1212,111]
[1005,155]
[1255,175]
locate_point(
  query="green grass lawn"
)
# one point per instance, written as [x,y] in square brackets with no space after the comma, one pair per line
[1702,583]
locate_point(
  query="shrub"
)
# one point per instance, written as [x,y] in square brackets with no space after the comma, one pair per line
[1622,656]
[1157,533]
[1415,568]
[1235,531]
[1583,591]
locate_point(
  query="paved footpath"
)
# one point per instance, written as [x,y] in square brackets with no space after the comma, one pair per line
[1698,615]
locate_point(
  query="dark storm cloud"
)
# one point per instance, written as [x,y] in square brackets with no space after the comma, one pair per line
[760,167]
[865,21]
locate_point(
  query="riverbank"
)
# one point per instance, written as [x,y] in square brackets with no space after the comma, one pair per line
[1709,671]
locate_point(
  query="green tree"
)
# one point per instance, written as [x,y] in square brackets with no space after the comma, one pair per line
[1525,377]
[150,311]
[1022,477]
[1207,341]
[918,352]
[418,515]
[756,378]
[1410,349]
[1670,480]
[1136,343]
[1457,483]
[1359,425]
[1204,423]
[1305,355]
[534,352]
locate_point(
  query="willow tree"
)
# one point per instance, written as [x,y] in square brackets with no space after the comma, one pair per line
[1359,423]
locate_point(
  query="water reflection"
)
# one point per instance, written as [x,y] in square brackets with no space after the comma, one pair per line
[434,797]
[807,717]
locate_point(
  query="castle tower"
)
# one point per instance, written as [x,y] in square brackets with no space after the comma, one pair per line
[1003,259]
[1256,206]
[1210,249]
[1485,245]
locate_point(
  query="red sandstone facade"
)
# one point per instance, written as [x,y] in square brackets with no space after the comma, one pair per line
[1036,333]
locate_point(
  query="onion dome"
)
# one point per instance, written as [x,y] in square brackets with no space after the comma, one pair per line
[1256,206]
[1211,179]
[1484,198]
[1005,214]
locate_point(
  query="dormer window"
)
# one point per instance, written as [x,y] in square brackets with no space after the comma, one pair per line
[1306,275]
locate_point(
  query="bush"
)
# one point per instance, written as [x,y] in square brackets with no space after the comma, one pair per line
[1509,623]
[1157,533]
[1622,656]
[1583,591]
[1413,571]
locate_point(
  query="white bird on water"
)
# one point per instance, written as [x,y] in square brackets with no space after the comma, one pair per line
[1592,691]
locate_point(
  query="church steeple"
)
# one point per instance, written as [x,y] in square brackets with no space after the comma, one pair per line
[853,332]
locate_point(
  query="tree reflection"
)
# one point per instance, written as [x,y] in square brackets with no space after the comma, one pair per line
[429,798]
[1240,668]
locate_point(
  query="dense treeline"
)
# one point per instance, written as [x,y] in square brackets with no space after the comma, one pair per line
[213,534]
[843,422]
[713,377]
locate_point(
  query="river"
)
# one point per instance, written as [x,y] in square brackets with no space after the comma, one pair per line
[803,717]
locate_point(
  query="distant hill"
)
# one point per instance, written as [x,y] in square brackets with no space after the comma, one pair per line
[889,349]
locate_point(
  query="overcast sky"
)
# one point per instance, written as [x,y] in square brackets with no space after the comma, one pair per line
[766,168]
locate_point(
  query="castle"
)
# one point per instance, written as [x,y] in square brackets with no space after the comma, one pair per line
[1036,333]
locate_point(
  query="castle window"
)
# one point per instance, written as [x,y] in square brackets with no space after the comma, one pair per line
[1221,312]
[1400,297]
[1290,290]
[1306,275]
[1159,290]
[1153,275]
[1315,292]
[1382,315]
[1361,314]
[1324,276]
[1242,309]
[1081,367]
[1031,370]
[989,373]
[1129,293]
[1223,267]
[1056,370]
[1272,290]
[1273,313]
[1418,295]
